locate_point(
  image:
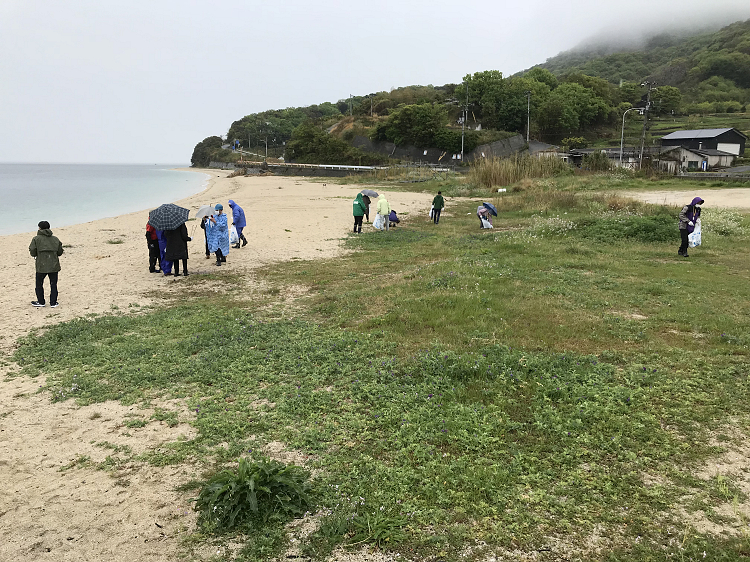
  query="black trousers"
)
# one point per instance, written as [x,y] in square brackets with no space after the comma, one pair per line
[176,265]
[52,287]
[358,224]
[684,246]
[436,215]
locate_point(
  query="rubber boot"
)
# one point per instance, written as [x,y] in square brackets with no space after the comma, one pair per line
[244,240]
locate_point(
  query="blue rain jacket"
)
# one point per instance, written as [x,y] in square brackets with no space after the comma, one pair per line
[218,234]
[238,215]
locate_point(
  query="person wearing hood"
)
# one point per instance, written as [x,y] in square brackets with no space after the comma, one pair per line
[46,250]
[688,216]
[152,240]
[239,222]
[359,211]
[218,234]
[384,210]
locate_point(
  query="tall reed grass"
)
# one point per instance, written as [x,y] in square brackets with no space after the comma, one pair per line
[492,172]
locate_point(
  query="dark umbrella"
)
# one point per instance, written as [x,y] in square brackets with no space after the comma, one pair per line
[369,192]
[490,207]
[168,217]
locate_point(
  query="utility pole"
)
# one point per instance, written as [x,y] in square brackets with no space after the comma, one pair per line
[622,135]
[528,115]
[645,120]
[350,105]
[463,122]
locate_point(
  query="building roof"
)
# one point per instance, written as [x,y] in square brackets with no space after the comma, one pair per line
[698,151]
[699,134]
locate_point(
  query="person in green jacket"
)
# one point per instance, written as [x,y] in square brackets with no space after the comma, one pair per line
[437,205]
[46,250]
[359,212]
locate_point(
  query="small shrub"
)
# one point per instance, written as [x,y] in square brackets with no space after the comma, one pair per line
[597,162]
[253,494]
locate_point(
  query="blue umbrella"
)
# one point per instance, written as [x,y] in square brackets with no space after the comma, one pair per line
[490,207]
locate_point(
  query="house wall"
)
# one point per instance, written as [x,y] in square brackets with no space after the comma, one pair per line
[730,148]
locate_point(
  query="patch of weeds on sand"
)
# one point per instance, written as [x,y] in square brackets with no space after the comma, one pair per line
[115,241]
[132,424]
[167,416]
[80,461]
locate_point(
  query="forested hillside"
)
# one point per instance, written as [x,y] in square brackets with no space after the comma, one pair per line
[575,99]
[710,67]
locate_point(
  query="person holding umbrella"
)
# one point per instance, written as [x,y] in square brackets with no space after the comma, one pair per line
[218,234]
[239,222]
[366,194]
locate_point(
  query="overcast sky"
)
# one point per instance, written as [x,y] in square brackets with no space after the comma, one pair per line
[115,81]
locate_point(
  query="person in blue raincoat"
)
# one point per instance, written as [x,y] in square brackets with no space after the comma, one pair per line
[166,265]
[239,222]
[218,234]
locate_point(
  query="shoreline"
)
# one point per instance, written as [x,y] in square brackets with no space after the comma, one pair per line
[59,211]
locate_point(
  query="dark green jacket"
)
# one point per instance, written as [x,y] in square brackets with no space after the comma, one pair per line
[359,206]
[438,202]
[46,249]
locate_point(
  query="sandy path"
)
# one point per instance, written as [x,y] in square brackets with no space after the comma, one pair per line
[734,198]
[81,513]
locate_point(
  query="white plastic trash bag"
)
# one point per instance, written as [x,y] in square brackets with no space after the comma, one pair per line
[694,238]
[378,222]
[233,238]
[486,223]
[432,210]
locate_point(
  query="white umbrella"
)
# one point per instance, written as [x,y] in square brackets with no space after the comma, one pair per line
[204,211]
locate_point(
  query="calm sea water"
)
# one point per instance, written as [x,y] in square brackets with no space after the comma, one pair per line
[65,194]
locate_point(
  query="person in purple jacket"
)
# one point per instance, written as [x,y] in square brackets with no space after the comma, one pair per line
[689,214]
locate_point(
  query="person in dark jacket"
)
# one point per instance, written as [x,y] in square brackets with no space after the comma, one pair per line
[46,250]
[437,205]
[367,201]
[205,235]
[152,240]
[177,248]
[688,216]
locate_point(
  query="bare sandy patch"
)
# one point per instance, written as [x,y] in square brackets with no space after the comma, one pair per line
[730,198]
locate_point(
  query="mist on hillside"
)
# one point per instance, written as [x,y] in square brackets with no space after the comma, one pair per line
[635,35]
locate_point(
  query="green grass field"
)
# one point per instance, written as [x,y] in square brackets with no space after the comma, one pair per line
[546,390]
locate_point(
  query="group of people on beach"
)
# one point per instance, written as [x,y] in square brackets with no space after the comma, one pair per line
[169,247]
[386,217]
